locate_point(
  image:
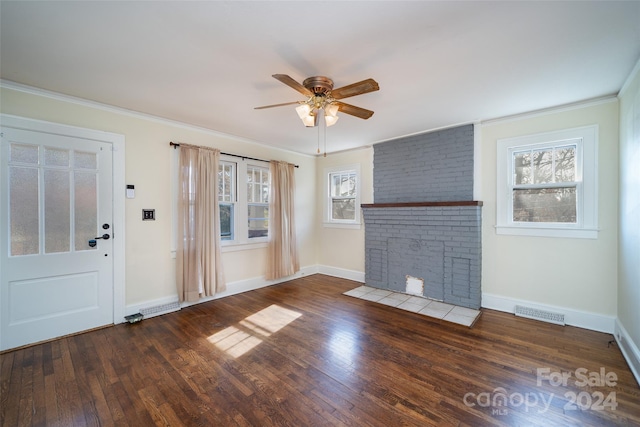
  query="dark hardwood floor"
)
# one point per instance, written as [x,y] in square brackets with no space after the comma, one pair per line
[302,354]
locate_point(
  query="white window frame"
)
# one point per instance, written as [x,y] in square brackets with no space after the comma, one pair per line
[327,217]
[241,239]
[586,225]
[262,202]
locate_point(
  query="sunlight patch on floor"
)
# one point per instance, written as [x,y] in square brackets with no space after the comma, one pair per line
[249,332]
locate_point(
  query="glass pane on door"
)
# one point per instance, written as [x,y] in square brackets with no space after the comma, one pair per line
[23,211]
[57,223]
[86,209]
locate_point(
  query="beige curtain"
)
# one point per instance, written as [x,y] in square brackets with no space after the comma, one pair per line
[283,250]
[198,262]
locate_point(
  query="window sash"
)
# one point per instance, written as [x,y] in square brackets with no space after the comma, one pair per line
[258,226]
[339,179]
[545,207]
[227,223]
[257,184]
[227,199]
[227,182]
[531,172]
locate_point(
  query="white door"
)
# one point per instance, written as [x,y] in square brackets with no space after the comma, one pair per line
[56,236]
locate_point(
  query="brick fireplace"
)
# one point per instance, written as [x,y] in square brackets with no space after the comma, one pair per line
[424,226]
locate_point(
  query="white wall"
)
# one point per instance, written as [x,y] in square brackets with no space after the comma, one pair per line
[340,250]
[628,327]
[150,268]
[576,276]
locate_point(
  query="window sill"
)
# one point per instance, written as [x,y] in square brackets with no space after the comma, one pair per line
[351,226]
[541,231]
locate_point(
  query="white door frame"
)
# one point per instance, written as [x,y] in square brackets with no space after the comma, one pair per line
[117,142]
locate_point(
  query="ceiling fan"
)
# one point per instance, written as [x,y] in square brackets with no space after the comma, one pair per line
[322,96]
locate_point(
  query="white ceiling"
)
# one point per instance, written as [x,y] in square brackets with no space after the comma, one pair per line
[210,63]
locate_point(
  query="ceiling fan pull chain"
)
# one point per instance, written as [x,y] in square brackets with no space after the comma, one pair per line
[325,137]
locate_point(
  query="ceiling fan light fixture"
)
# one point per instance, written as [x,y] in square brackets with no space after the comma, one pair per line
[330,120]
[303,111]
[309,120]
[331,110]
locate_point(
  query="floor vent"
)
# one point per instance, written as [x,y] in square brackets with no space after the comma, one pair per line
[545,316]
[160,309]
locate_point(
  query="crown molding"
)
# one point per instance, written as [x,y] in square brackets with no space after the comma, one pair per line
[551,110]
[19,87]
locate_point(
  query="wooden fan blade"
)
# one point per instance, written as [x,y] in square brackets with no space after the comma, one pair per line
[277,105]
[354,89]
[353,110]
[292,83]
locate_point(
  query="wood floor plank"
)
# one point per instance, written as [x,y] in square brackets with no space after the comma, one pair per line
[303,354]
[51,400]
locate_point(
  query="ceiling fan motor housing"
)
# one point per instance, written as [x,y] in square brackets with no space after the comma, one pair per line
[319,85]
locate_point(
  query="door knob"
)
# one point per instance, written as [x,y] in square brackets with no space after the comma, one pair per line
[105,236]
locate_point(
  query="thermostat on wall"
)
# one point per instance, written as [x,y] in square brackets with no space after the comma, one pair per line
[131,191]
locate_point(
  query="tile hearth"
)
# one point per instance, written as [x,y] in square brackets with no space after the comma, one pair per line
[415,304]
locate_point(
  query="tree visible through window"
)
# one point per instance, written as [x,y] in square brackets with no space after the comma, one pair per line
[544,185]
[548,184]
[343,195]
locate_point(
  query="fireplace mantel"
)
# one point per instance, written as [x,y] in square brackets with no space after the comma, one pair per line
[421,204]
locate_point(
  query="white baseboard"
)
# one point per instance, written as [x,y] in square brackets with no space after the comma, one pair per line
[357,276]
[629,349]
[581,319]
[233,288]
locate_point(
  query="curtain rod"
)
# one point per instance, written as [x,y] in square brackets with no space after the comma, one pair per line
[174,145]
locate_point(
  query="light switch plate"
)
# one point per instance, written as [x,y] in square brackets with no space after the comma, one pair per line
[148,214]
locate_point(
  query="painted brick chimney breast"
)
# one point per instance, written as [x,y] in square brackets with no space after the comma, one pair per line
[432,167]
[423,222]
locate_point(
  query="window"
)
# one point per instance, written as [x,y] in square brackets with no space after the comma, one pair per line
[342,202]
[243,193]
[547,184]
[258,201]
[227,198]
[243,197]
[544,185]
